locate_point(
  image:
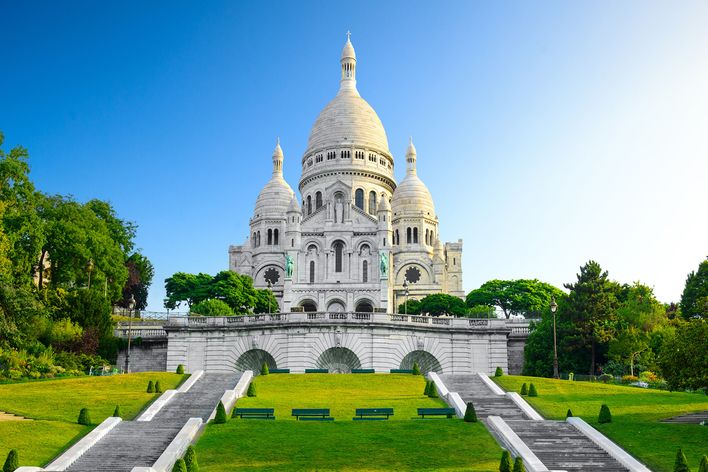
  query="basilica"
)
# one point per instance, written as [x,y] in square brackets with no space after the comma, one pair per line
[357,241]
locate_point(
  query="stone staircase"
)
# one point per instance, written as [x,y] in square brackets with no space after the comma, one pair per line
[140,443]
[559,445]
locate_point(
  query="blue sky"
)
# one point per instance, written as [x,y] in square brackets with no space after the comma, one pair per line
[549,133]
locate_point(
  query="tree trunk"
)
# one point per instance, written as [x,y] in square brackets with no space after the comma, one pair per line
[40,269]
[592,357]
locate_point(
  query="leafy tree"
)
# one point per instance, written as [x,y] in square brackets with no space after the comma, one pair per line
[694,300]
[265,302]
[235,289]
[90,310]
[514,297]
[212,307]
[412,307]
[185,287]
[684,358]
[439,304]
[12,462]
[140,274]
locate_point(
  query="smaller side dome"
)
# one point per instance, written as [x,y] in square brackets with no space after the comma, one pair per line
[383,204]
[412,197]
[275,197]
[294,205]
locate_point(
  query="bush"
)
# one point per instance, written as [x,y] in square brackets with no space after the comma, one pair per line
[151,387]
[12,462]
[190,459]
[524,389]
[433,392]
[532,391]
[426,392]
[628,379]
[264,369]
[158,387]
[179,466]
[84,417]
[116,412]
[681,464]
[605,415]
[180,369]
[704,465]
[212,307]
[470,414]
[505,463]
[251,390]
[519,465]
[416,369]
[499,372]
[604,378]
[220,417]
[569,414]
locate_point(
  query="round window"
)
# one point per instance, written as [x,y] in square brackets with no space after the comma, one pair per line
[412,274]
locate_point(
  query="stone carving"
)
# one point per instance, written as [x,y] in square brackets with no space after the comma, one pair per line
[339,210]
[420,344]
[383,263]
[289,264]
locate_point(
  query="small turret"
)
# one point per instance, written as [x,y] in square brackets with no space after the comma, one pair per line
[348,61]
[292,225]
[384,225]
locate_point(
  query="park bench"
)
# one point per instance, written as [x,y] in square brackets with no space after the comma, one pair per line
[316,371]
[423,412]
[363,371]
[279,371]
[254,413]
[312,414]
[372,414]
[401,371]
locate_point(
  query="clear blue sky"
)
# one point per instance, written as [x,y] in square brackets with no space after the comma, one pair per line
[549,133]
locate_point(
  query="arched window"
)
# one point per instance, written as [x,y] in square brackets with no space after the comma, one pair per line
[359,198]
[312,272]
[253,241]
[318,200]
[309,205]
[270,237]
[408,235]
[258,239]
[365,271]
[292,243]
[398,238]
[338,253]
[275,237]
[415,235]
[372,202]
[427,241]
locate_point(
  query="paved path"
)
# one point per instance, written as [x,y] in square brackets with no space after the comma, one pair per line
[139,444]
[559,445]
[691,418]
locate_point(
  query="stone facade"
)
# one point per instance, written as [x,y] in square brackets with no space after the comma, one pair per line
[356,236]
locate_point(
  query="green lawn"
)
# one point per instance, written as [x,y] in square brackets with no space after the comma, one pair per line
[635,416]
[402,443]
[54,406]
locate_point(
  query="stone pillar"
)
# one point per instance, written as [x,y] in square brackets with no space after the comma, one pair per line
[386,288]
[287,295]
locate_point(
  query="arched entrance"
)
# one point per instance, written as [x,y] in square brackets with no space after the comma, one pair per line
[336,306]
[364,306]
[338,360]
[426,361]
[308,306]
[253,360]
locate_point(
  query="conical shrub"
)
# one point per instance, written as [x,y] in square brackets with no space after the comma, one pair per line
[605,416]
[179,466]
[117,412]
[433,393]
[84,417]
[499,372]
[264,369]
[151,387]
[416,369]
[12,462]
[190,459]
[704,465]
[426,392]
[470,414]
[519,465]
[158,387]
[532,391]
[251,390]
[681,464]
[220,417]
[180,369]
[505,463]
[568,414]
[524,389]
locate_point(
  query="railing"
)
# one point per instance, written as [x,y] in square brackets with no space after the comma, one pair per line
[140,332]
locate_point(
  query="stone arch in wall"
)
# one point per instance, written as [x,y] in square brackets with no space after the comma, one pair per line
[364,306]
[336,306]
[253,359]
[338,360]
[426,361]
[308,305]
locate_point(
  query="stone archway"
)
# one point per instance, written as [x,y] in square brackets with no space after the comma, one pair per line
[426,361]
[253,359]
[336,306]
[364,306]
[308,306]
[338,360]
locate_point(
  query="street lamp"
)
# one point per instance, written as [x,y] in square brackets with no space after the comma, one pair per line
[89,268]
[554,308]
[131,305]
[271,291]
[405,303]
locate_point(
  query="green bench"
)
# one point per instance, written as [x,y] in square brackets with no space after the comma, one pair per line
[312,414]
[401,371]
[372,414]
[279,371]
[363,371]
[423,412]
[254,413]
[316,371]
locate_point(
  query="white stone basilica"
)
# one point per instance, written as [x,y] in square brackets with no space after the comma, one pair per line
[359,240]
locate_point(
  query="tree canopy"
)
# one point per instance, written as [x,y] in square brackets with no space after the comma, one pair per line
[437,304]
[520,297]
[694,300]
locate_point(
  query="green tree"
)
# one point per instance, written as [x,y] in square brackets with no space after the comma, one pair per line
[412,307]
[694,300]
[212,307]
[514,297]
[235,289]
[140,274]
[265,302]
[90,310]
[190,288]
[684,358]
[439,304]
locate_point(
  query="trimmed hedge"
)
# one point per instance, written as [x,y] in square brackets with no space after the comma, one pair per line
[524,389]
[117,412]
[220,417]
[681,464]
[180,369]
[505,463]
[605,416]
[251,390]
[151,387]
[12,462]
[158,387]
[519,465]
[499,372]
[179,466]
[190,459]
[568,414]
[532,391]
[264,369]
[470,413]
[416,369]
[426,392]
[704,465]
[84,417]
[433,393]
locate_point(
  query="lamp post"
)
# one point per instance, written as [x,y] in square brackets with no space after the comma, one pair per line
[89,268]
[131,305]
[405,303]
[271,291]
[554,307]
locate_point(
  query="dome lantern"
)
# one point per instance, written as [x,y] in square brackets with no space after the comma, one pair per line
[348,62]
[411,157]
[278,159]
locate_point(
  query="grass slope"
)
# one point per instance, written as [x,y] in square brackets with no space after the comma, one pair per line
[636,414]
[55,405]
[402,443]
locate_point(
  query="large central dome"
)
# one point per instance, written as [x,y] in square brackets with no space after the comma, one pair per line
[348,119]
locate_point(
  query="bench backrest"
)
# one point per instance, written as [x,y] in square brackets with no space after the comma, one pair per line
[401,371]
[316,371]
[310,412]
[436,411]
[279,371]
[239,411]
[363,371]
[374,411]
